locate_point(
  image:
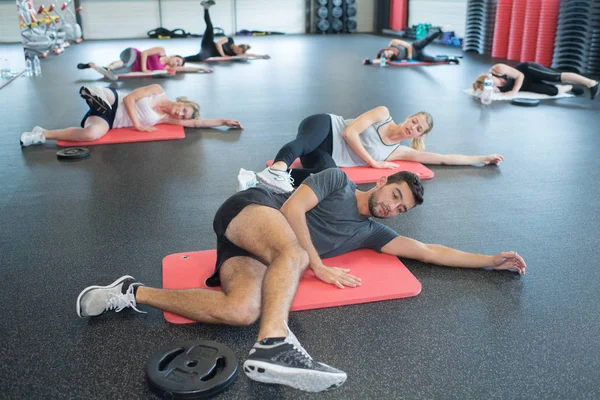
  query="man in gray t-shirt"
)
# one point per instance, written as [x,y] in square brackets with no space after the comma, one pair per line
[264,243]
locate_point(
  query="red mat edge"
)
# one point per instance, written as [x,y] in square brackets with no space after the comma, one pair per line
[67,143]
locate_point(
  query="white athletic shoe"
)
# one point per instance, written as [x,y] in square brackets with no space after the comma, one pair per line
[246,180]
[36,136]
[96,98]
[107,73]
[287,363]
[96,300]
[277,181]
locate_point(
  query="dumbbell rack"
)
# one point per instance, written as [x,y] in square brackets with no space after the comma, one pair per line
[331,16]
[577,44]
[481,16]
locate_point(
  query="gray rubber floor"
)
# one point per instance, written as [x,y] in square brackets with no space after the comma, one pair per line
[470,334]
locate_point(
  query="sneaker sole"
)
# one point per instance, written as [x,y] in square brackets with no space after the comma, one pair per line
[106,73]
[274,188]
[87,289]
[307,380]
[96,102]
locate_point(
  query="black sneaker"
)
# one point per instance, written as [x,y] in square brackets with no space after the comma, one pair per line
[83,66]
[96,300]
[95,98]
[367,61]
[594,90]
[287,363]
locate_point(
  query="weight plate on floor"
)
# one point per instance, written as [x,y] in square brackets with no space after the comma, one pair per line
[351,11]
[337,12]
[337,3]
[322,12]
[72,153]
[196,369]
[351,25]
[322,2]
[323,25]
[525,102]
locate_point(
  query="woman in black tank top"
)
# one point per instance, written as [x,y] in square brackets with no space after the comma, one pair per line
[532,77]
[399,50]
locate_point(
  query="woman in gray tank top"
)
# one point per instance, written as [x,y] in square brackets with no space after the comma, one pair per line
[373,138]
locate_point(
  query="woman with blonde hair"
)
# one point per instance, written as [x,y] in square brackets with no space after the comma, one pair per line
[373,138]
[532,77]
[141,109]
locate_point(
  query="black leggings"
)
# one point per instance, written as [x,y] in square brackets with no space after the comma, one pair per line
[535,74]
[314,146]
[208,48]
[419,45]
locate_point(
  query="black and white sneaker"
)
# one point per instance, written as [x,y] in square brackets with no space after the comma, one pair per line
[95,98]
[119,295]
[284,361]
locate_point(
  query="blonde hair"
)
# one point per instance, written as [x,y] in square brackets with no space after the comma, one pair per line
[244,47]
[479,83]
[195,106]
[418,143]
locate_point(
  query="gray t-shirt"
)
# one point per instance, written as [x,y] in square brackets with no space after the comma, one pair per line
[336,227]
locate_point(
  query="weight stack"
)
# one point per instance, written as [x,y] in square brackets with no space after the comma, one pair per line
[573,36]
[593,61]
[481,17]
[335,16]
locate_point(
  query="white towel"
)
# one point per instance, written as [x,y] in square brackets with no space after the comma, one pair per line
[520,95]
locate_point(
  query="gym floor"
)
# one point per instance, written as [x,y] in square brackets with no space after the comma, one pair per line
[470,334]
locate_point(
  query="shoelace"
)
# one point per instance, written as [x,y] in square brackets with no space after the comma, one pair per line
[283,176]
[120,301]
[293,340]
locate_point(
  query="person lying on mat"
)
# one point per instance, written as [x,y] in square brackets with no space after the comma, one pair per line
[399,50]
[141,109]
[532,77]
[265,241]
[224,48]
[135,62]
[373,138]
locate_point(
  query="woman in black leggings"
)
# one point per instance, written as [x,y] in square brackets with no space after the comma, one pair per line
[372,139]
[399,50]
[532,77]
[224,48]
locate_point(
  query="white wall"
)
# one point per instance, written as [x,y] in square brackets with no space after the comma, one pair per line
[450,14]
[9,23]
[120,19]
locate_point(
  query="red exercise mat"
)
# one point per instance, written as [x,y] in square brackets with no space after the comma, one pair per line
[150,74]
[383,276]
[502,28]
[547,32]
[530,31]
[131,135]
[517,24]
[368,174]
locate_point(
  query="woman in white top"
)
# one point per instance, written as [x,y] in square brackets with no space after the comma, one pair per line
[328,141]
[142,109]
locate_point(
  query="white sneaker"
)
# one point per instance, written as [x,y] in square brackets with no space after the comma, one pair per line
[277,181]
[288,363]
[96,98]
[36,136]
[106,72]
[96,300]
[246,180]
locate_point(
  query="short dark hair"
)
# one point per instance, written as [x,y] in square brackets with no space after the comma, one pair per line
[413,182]
[182,60]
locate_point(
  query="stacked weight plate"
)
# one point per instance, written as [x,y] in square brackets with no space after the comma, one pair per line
[479,29]
[547,32]
[593,62]
[573,36]
[502,28]
[530,30]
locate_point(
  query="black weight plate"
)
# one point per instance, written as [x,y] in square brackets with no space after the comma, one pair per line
[351,25]
[351,11]
[350,2]
[323,25]
[196,369]
[72,153]
[337,12]
[337,3]
[322,2]
[322,12]
[337,25]
[525,102]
